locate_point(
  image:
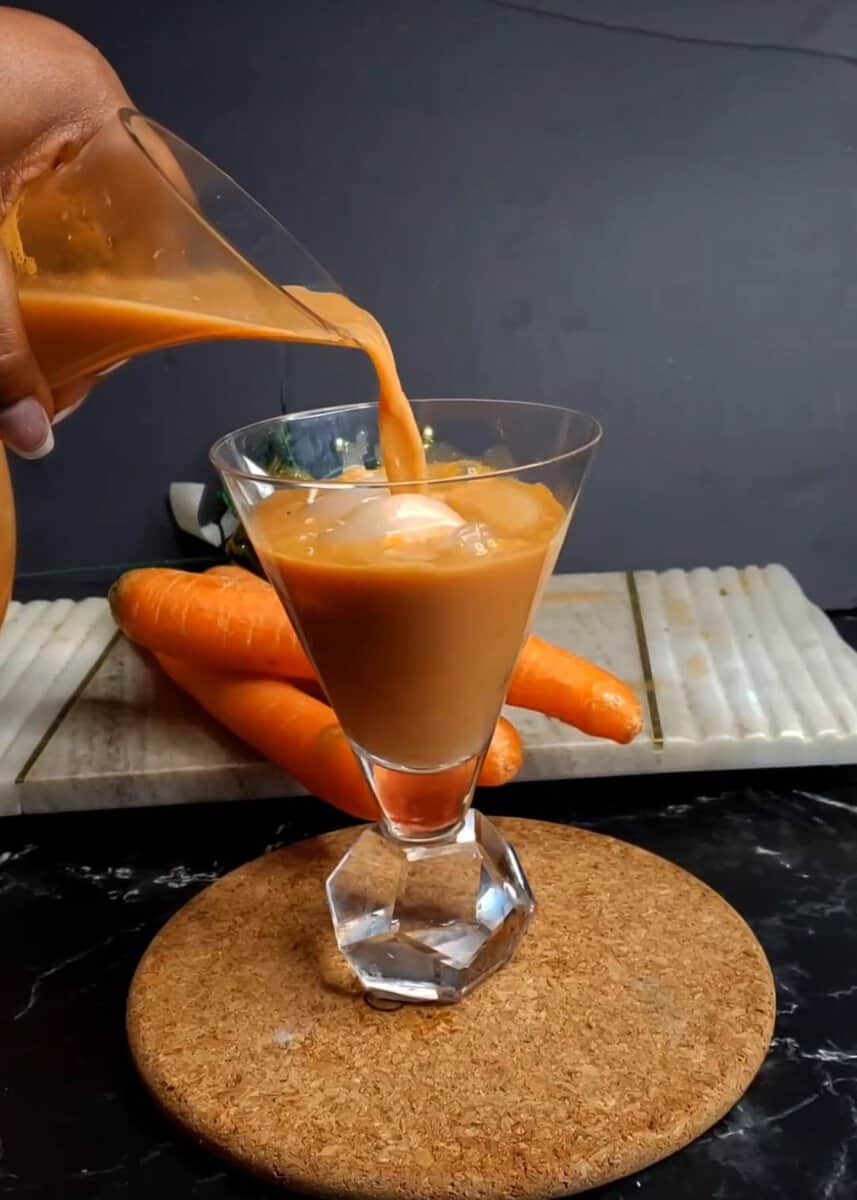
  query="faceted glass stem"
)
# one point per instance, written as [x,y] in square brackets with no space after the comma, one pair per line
[427,920]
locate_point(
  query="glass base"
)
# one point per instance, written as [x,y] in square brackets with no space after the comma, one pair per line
[429,921]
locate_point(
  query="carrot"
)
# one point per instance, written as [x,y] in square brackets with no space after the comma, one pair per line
[216,620]
[553,681]
[302,736]
[505,756]
[231,619]
[295,731]
[238,575]
[557,683]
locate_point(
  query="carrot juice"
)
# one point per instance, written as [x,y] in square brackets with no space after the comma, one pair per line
[413,607]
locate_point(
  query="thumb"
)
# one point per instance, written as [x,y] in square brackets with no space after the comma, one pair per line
[26,404]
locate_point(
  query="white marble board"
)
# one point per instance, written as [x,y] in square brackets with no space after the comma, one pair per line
[743,671]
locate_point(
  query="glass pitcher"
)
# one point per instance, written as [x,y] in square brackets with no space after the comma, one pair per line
[140,243]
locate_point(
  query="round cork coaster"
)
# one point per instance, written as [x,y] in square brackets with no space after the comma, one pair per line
[637,1010]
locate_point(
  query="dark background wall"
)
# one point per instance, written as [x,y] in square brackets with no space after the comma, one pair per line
[660,231]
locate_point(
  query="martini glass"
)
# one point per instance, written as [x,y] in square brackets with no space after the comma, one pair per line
[415,660]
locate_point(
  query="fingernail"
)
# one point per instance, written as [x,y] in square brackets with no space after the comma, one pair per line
[25,428]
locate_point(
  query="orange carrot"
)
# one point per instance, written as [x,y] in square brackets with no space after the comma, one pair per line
[238,575]
[214,620]
[557,683]
[302,736]
[505,756]
[293,730]
[553,681]
[230,619]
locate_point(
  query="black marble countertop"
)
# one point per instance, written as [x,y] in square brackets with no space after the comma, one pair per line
[81,895]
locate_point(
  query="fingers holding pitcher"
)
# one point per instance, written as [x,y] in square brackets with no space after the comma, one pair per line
[26,402]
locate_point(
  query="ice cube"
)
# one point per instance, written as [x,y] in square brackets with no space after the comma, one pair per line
[474,538]
[505,506]
[328,507]
[405,519]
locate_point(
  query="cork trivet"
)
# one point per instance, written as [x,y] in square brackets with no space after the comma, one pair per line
[636,1012]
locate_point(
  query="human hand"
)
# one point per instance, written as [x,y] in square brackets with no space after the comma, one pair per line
[58,91]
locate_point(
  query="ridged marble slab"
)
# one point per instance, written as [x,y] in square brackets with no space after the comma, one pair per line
[737,669]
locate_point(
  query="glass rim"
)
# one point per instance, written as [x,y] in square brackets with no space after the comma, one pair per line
[216,458]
